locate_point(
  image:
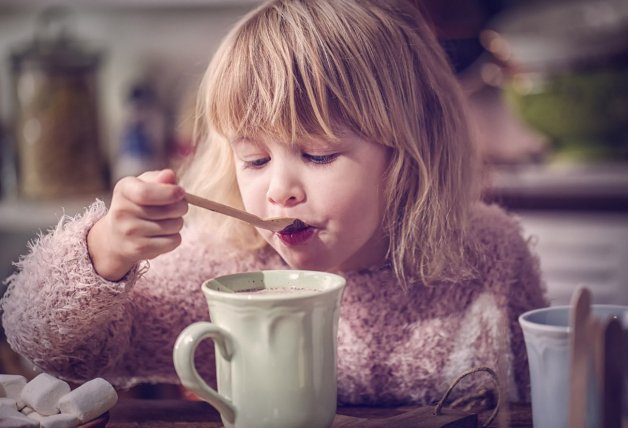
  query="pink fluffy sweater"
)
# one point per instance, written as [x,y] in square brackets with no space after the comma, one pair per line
[394,346]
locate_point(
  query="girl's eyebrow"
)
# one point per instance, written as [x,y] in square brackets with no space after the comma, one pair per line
[310,143]
[321,143]
[238,141]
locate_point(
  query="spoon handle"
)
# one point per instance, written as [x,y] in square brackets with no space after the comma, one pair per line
[579,324]
[224,209]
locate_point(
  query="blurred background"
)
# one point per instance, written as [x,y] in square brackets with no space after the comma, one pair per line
[91,91]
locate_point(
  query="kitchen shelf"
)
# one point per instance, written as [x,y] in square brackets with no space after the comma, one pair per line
[18,215]
[567,187]
[580,249]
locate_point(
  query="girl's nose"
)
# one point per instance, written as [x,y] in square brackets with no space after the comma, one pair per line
[285,188]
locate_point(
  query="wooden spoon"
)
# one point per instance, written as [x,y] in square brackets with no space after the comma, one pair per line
[276,224]
[579,325]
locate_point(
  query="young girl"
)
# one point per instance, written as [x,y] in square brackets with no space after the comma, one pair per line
[344,114]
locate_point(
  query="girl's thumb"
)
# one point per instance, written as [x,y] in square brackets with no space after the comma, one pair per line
[167,176]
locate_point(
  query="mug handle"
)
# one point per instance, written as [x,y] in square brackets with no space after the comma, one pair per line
[183,356]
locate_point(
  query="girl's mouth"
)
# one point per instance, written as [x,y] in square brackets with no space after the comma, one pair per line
[296,233]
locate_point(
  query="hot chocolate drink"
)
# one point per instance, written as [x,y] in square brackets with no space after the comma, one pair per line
[277,290]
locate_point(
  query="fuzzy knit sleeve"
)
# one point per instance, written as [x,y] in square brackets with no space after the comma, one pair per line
[58,312]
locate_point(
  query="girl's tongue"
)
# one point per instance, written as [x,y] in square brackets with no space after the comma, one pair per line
[295,226]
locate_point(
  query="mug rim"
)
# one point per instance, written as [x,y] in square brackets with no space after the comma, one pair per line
[525,322]
[338,282]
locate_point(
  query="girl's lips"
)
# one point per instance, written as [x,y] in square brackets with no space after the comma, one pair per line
[296,237]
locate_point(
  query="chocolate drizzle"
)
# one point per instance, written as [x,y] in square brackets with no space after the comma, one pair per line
[293,227]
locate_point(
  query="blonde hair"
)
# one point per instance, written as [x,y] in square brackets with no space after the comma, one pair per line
[292,68]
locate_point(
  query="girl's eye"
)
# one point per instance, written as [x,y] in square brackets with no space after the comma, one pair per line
[322,159]
[257,163]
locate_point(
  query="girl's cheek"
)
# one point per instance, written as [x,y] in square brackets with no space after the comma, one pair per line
[249,189]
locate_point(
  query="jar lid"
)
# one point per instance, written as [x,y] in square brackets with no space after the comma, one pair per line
[53,46]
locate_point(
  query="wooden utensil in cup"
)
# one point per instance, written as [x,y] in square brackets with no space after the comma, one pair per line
[276,224]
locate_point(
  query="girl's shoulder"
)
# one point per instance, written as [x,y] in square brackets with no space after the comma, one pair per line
[491,224]
[498,241]
[492,215]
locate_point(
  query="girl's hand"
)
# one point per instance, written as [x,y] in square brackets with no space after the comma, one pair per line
[144,221]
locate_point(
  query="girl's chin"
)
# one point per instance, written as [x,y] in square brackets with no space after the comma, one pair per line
[306,264]
[305,258]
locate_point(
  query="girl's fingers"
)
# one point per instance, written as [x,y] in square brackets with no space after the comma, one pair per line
[166,176]
[163,212]
[151,247]
[149,176]
[139,229]
[167,243]
[164,227]
[150,193]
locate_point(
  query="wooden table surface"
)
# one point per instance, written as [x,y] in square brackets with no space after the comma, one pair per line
[174,413]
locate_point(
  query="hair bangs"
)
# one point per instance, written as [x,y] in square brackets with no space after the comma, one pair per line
[277,77]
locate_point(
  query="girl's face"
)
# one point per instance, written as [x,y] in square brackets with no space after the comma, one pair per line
[336,188]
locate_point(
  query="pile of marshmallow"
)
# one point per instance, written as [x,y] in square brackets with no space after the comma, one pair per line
[49,402]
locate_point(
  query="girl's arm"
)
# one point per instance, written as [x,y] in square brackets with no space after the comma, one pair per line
[69,321]
[58,312]
[68,307]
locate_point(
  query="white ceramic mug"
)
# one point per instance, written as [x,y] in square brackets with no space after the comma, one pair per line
[546,334]
[275,349]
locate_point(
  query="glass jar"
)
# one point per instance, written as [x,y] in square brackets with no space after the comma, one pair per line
[56,114]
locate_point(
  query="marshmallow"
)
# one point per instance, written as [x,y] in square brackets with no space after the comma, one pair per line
[12,385]
[26,410]
[11,418]
[8,403]
[19,421]
[59,420]
[89,400]
[43,392]
[9,410]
